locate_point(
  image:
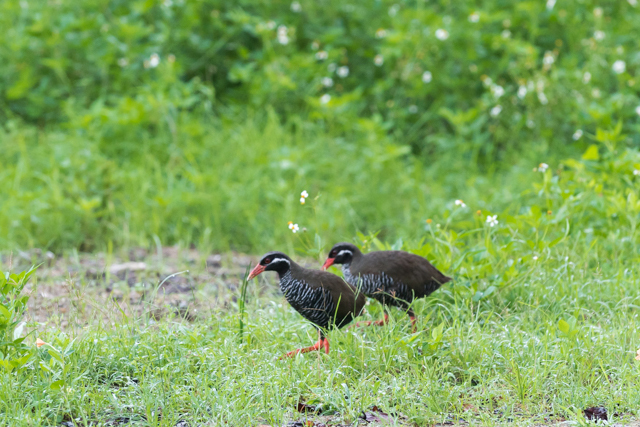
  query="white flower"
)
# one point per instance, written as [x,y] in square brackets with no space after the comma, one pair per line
[495,111]
[597,12]
[596,93]
[283,38]
[548,58]
[492,220]
[633,3]
[154,60]
[577,135]
[343,71]
[535,258]
[302,200]
[293,227]
[381,33]
[550,4]
[522,92]
[123,62]
[321,55]
[586,77]
[271,25]
[619,66]
[442,34]
[543,98]
[332,67]
[460,203]
[542,167]
[378,60]
[506,34]
[426,77]
[598,35]
[474,17]
[638,110]
[327,81]
[295,7]
[304,194]
[413,109]
[636,172]
[324,99]
[497,91]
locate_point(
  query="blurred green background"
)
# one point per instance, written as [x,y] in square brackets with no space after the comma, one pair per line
[200,122]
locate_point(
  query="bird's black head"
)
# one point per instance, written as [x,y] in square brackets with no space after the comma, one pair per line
[341,253]
[272,261]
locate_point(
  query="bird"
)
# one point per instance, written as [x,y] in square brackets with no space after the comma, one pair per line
[394,278]
[322,298]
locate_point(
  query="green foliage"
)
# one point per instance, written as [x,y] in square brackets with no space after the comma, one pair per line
[14,354]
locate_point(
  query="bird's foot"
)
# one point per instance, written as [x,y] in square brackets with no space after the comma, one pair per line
[381,322]
[322,342]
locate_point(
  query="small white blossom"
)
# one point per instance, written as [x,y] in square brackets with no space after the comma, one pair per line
[497,91]
[381,33]
[542,167]
[321,55]
[295,7]
[619,66]
[597,12]
[302,200]
[492,220]
[343,71]
[283,37]
[304,194]
[474,17]
[633,3]
[442,34]
[586,77]
[293,227]
[522,92]
[271,25]
[577,135]
[154,60]
[595,93]
[426,77]
[460,203]
[327,81]
[548,58]
[535,258]
[324,99]
[378,60]
[599,35]
[638,110]
[505,34]
[542,98]
[495,111]
[636,172]
[413,109]
[123,62]
[550,4]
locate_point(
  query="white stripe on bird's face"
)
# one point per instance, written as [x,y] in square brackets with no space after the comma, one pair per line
[344,251]
[275,260]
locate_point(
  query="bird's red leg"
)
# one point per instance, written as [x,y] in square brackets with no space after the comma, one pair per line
[322,342]
[381,322]
[413,323]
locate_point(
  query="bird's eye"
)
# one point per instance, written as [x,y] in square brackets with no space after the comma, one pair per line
[267,261]
[332,254]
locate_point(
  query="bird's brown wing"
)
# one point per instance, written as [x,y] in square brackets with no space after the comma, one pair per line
[412,270]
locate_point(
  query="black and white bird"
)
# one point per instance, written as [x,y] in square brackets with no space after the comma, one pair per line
[321,297]
[393,278]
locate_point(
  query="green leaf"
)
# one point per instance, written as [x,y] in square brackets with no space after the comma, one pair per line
[591,153]
[18,330]
[563,326]
[5,315]
[56,385]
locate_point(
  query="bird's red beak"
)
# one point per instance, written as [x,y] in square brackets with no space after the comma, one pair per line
[328,263]
[256,270]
